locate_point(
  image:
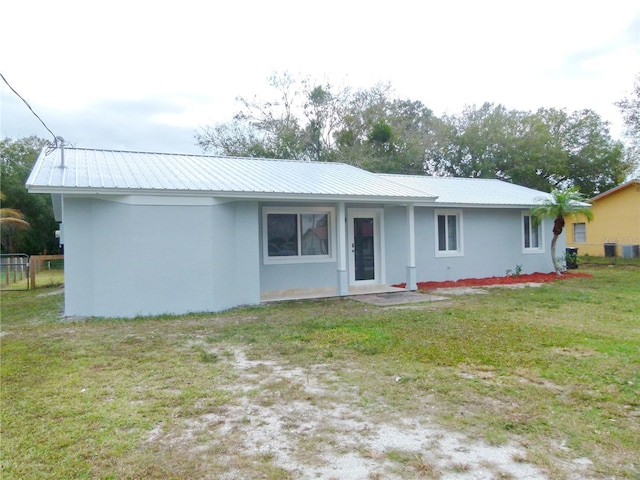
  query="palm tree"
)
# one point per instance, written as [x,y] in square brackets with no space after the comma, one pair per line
[11,220]
[561,204]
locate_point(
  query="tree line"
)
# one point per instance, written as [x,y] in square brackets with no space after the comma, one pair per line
[370,128]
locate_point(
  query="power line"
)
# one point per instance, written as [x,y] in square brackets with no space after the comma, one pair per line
[55,139]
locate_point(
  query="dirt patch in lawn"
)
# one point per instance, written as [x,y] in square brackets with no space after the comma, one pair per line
[299,423]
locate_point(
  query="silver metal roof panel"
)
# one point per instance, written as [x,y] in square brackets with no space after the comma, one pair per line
[106,171]
[472,191]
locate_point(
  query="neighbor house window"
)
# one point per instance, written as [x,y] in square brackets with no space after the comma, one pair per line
[448,228]
[579,233]
[531,235]
[297,235]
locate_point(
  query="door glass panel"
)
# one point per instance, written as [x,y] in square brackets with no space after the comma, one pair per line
[363,248]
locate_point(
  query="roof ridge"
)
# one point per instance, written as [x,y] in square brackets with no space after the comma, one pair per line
[441,177]
[205,155]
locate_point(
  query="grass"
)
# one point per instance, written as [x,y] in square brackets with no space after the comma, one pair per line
[44,278]
[555,367]
[587,260]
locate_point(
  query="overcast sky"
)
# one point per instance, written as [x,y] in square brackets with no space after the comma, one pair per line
[137,75]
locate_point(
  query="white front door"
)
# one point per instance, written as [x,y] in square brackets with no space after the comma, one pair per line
[365,246]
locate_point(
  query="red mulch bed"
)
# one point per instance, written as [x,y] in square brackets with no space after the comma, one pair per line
[510,280]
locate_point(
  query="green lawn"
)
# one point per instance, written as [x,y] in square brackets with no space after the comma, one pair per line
[555,368]
[44,278]
[589,261]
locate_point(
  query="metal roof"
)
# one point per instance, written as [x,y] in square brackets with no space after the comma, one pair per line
[89,171]
[106,171]
[458,191]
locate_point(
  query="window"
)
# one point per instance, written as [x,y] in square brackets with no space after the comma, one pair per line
[297,235]
[448,226]
[531,235]
[579,233]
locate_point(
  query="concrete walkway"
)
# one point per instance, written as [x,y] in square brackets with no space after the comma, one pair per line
[384,295]
[396,298]
[404,297]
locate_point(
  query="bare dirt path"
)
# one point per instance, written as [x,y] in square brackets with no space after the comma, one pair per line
[305,424]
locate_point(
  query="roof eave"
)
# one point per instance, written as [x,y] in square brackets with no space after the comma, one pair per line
[485,205]
[615,189]
[85,191]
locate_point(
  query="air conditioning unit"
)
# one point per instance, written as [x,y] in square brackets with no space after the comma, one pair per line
[630,251]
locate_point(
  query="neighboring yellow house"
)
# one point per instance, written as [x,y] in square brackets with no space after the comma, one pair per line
[615,228]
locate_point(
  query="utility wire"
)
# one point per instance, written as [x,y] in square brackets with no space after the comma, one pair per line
[55,139]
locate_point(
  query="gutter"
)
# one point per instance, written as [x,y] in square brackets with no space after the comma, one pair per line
[88,191]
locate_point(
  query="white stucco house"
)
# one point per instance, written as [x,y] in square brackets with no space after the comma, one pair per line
[152,233]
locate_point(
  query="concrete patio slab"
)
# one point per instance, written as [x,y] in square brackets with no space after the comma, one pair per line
[397,298]
[455,291]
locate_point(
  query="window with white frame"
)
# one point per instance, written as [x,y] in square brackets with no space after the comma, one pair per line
[448,228]
[579,233]
[531,235]
[301,234]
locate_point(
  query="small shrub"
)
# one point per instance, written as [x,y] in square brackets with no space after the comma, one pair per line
[562,266]
[571,259]
[514,273]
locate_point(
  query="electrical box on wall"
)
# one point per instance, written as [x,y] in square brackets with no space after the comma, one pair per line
[60,234]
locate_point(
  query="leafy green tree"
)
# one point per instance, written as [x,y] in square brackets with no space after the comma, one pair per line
[479,143]
[310,121]
[548,149]
[561,204]
[630,109]
[384,134]
[370,128]
[17,158]
[268,129]
[595,162]
[324,110]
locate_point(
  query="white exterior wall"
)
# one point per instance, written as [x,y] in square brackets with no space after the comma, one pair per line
[129,256]
[396,241]
[492,243]
[124,258]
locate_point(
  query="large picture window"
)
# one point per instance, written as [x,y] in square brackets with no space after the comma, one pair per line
[297,234]
[448,227]
[531,235]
